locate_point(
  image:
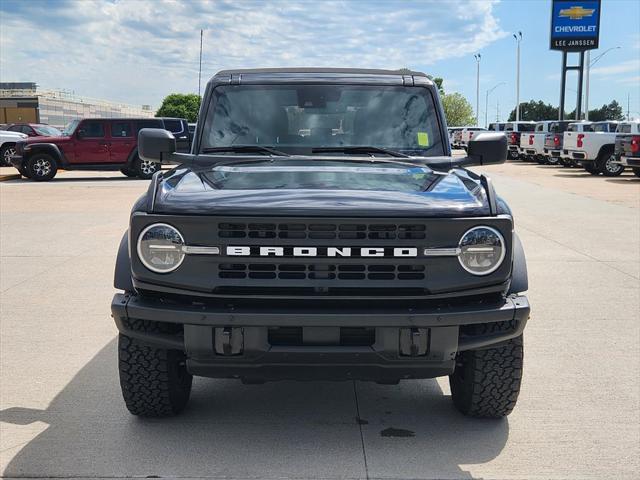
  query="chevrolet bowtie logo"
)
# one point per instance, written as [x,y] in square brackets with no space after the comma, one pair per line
[576,12]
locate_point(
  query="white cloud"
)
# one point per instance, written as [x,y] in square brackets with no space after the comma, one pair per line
[622,67]
[138,51]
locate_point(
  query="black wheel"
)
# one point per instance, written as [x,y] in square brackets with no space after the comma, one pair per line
[608,168]
[41,167]
[591,167]
[24,172]
[6,152]
[486,383]
[145,168]
[511,155]
[154,381]
[636,171]
[128,172]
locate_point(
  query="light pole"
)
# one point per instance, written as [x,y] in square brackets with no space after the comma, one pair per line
[477,56]
[518,38]
[486,104]
[200,67]
[586,89]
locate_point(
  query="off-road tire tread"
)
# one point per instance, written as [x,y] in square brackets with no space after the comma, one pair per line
[486,382]
[148,378]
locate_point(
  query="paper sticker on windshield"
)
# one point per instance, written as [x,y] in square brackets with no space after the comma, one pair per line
[423,139]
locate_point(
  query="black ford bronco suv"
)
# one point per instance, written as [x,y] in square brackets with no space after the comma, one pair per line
[320,228]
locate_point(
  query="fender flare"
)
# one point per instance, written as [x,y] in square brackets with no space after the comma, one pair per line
[48,148]
[519,277]
[132,157]
[605,148]
[122,275]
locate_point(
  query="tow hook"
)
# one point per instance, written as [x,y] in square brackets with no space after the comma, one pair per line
[228,341]
[413,342]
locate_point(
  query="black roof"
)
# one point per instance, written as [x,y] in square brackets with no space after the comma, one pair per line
[357,71]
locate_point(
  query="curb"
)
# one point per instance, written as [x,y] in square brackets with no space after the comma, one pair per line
[13,176]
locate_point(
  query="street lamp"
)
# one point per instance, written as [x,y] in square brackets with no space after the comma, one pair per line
[518,38]
[486,104]
[477,56]
[589,65]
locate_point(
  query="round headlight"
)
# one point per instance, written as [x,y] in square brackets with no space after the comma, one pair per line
[160,248]
[482,250]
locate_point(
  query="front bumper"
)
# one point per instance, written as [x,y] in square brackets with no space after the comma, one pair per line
[226,341]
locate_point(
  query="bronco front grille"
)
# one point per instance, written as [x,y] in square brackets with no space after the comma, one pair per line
[299,271]
[326,231]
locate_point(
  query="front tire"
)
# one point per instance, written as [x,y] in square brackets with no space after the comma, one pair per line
[145,169]
[128,172]
[41,167]
[154,381]
[6,152]
[591,168]
[486,383]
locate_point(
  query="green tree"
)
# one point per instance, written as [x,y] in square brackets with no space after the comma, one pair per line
[180,105]
[613,111]
[535,111]
[457,110]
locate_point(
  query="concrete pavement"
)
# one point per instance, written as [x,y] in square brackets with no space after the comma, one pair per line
[61,413]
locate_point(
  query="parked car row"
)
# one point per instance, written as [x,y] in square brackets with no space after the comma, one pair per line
[88,144]
[606,147]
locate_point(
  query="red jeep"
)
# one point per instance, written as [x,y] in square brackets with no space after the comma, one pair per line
[94,144]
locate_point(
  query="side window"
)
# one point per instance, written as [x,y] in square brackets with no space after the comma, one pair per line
[15,128]
[151,123]
[121,129]
[174,126]
[27,129]
[91,129]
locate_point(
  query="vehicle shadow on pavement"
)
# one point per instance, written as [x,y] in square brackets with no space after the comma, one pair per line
[63,179]
[276,430]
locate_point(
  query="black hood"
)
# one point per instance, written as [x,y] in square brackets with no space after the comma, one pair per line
[326,187]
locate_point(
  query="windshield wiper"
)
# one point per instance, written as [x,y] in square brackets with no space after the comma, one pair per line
[245,149]
[360,149]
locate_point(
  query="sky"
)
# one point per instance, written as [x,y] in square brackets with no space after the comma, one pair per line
[138,51]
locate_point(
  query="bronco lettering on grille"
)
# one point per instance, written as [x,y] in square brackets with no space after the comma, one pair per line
[247,251]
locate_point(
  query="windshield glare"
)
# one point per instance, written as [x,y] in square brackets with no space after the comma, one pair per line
[68,130]
[302,117]
[47,130]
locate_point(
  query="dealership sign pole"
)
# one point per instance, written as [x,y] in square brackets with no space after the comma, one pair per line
[575,27]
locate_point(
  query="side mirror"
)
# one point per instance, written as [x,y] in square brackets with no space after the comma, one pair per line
[485,149]
[80,133]
[156,144]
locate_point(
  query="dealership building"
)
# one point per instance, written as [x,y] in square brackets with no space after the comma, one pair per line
[25,102]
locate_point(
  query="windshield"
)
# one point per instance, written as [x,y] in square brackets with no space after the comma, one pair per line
[46,130]
[70,128]
[303,117]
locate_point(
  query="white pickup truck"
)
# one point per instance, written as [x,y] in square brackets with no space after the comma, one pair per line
[7,146]
[594,149]
[467,134]
[532,144]
[627,149]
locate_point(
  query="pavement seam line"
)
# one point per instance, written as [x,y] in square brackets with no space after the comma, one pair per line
[597,260]
[364,450]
